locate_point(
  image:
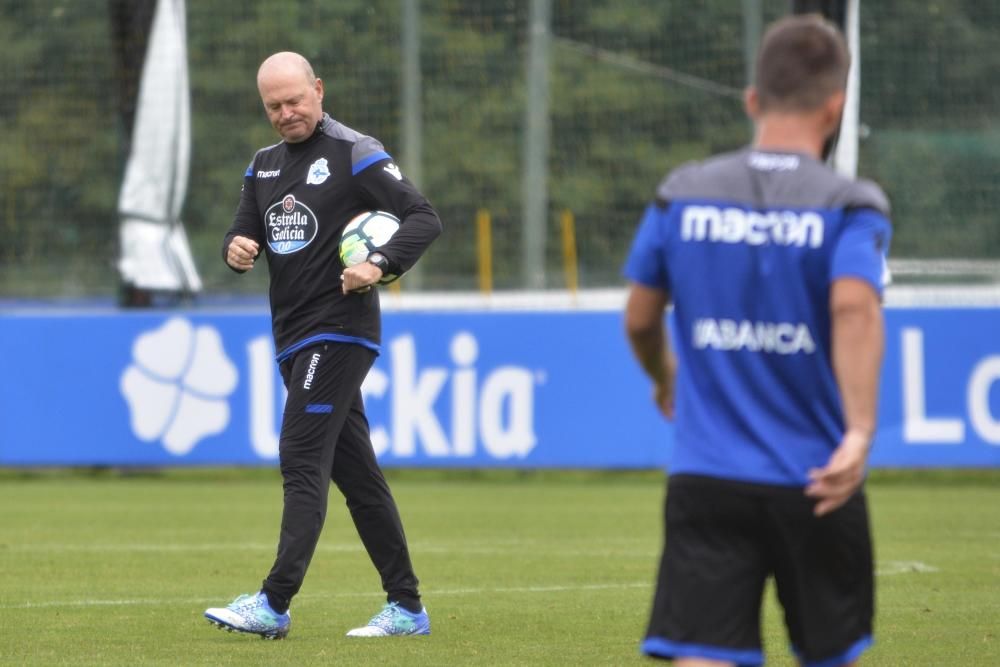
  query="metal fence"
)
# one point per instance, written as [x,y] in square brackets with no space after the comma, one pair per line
[634,89]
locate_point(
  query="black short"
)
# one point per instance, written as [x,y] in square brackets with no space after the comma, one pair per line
[724,539]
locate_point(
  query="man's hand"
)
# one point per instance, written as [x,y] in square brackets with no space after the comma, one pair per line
[648,337]
[663,390]
[858,339]
[843,474]
[241,253]
[360,277]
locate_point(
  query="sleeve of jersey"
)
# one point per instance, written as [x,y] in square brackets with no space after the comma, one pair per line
[862,248]
[646,261]
[384,188]
[247,219]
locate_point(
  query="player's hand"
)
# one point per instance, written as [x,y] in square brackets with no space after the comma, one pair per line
[833,484]
[360,277]
[242,252]
[663,390]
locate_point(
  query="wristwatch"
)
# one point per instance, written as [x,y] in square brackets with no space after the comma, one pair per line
[379,260]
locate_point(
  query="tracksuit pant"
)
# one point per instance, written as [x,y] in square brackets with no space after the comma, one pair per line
[324,437]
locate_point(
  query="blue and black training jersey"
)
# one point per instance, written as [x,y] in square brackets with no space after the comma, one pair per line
[748,244]
[295,202]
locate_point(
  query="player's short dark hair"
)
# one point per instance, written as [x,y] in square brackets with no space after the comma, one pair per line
[802,61]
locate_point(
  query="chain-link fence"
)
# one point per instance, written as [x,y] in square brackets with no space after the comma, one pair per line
[635,89]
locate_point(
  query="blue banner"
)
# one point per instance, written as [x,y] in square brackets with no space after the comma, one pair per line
[450,389]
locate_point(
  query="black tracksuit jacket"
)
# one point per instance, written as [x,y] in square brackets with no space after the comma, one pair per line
[296,200]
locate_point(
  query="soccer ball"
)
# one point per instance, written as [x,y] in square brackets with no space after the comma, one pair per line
[364,234]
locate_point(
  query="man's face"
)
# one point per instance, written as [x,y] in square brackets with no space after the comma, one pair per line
[293,104]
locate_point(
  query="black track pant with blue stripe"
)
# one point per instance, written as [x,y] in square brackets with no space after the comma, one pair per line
[324,437]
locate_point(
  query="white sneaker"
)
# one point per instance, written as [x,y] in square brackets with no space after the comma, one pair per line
[393,620]
[251,614]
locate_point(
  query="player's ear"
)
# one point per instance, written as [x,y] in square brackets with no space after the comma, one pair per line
[319,88]
[751,102]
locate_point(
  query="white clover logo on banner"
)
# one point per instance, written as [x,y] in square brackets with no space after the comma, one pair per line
[178,385]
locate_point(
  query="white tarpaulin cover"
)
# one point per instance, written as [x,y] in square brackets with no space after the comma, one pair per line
[155,254]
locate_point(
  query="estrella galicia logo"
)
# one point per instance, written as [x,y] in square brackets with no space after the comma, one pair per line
[178,384]
[318,172]
[291,225]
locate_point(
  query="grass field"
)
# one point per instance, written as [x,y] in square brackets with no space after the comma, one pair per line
[517,569]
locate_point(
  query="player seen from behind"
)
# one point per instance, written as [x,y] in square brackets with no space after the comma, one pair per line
[775,266]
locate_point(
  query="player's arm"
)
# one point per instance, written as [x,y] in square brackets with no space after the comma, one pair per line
[241,245]
[857,344]
[647,335]
[856,347]
[649,294]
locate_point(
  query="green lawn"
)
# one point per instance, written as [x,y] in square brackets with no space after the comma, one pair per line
[516,569]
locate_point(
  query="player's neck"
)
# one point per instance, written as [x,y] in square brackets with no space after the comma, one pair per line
[789,133]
